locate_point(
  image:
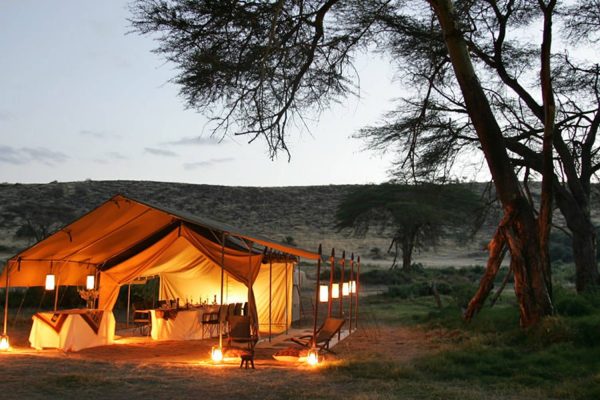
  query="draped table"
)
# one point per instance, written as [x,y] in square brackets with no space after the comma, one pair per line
[72,330]
[181,324]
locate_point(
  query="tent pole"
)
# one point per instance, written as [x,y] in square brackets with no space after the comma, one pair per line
[223,236]
[128,304]
[287,294]
[56,293]
[342,264]
[357,290]
[314,344]
[6,299]
[330,293]
[352,277]
[270,293]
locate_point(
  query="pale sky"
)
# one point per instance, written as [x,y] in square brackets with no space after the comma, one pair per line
[81,99]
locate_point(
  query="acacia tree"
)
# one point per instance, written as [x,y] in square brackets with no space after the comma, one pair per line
[415,216]
[432,129]
[267,63]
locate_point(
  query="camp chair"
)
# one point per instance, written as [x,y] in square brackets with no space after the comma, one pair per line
[238,309]
[330,328]
[141,319]
[240,331]
[211,320]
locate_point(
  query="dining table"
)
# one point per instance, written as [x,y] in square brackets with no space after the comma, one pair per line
[179,323]
[72,330]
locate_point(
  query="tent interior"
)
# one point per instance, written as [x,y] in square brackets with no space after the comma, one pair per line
[196,260]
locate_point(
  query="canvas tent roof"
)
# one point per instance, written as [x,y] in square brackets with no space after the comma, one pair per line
[117,230]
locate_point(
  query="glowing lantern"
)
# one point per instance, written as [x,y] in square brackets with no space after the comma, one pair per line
[50,281]
[90,281]
[323,293]
[346,289]
[4,344]
[313,357]
[352,286]
[335,291]
[216,354]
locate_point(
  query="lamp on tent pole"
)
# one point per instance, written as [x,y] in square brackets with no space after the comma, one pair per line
[331,272]
[270,288]
[351,291]
[342,264]
[313,348]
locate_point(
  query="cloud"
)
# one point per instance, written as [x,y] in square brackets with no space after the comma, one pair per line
[207,163]
[116,156]
[160,152]
[9,155]
[6,116]
[24,155]
[195,141]
[96,134]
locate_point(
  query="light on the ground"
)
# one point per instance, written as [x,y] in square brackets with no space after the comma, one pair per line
[90,281]
[4,344]
[216,354]
[323,293]
[50,281]
[335,291]
[313,357]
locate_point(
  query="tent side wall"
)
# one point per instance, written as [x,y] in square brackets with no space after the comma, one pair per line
[280,287]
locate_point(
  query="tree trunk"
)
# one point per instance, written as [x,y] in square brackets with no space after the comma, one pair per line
[497,250]
[584,239]
[408,244]
[521,231]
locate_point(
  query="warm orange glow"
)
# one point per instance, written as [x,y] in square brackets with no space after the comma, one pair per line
[216,354]
[323,293]
[4,344]
[90,281]
[345,289]
[313,357]
[352,286]
[50,281]
[335,291]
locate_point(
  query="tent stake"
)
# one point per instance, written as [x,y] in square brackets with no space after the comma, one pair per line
[314,343]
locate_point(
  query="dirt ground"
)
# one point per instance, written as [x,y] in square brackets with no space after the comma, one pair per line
[144,369]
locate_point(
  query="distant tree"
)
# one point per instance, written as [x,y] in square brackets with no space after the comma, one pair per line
[416,216]
[290,241]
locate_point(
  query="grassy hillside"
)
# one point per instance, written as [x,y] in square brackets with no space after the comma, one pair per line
[303,214]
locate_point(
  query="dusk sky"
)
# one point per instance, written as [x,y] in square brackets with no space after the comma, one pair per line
[82,99]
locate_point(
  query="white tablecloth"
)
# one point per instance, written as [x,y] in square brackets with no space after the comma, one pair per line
[75,333]
[187,325]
